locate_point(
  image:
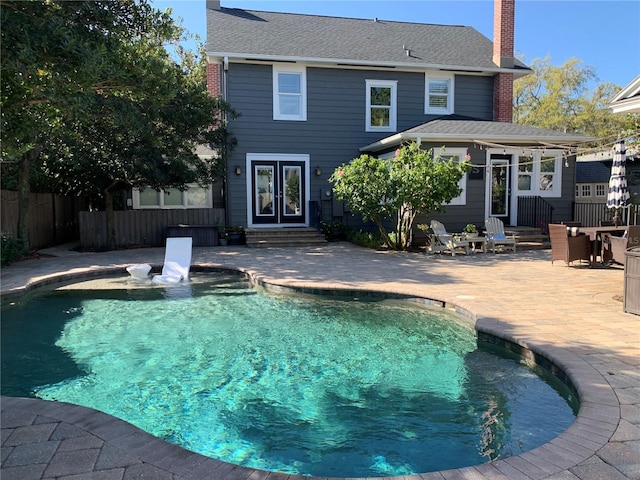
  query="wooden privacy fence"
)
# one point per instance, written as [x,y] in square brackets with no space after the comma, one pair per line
[148,227]
[590,214]
[53,219]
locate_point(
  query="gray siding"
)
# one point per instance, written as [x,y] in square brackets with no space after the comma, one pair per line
[335,126]
[474,96]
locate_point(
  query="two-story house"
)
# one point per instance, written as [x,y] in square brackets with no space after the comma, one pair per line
[314,92]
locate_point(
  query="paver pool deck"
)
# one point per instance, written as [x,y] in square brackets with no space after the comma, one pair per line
[571,316]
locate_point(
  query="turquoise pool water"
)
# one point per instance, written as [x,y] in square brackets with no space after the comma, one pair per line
[299,384]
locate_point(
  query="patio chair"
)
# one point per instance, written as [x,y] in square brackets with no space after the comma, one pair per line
[442,241]
[566,247]
[613,248]
[496,236]
[177,261]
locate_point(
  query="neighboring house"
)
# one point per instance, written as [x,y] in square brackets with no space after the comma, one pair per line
[314,92]
[592,181]
[628,99]
[593,172]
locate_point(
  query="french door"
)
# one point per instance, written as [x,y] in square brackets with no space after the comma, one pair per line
[500,187]
[278,192]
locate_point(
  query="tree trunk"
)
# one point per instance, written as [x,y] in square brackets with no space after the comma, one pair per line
[110,220]
[24,193]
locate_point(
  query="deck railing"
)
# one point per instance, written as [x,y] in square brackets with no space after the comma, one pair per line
[534,211]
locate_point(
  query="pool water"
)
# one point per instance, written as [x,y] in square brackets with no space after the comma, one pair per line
[299,384]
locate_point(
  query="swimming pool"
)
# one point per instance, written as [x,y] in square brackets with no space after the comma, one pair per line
[292,383]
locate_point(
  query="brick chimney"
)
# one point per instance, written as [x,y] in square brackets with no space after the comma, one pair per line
[214,75]
[214,70]
[503,32]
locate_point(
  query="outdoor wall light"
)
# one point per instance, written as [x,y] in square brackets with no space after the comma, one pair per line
[238,170]
[318,172]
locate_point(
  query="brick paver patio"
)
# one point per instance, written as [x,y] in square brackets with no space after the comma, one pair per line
[571,316]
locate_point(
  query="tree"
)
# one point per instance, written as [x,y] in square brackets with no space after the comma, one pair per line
[91,99]
[558,98]
[412,182]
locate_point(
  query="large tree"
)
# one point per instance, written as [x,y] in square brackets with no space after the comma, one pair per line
[559,98]
[413,181]
[92,99]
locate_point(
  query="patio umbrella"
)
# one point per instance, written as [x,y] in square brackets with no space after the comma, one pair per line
[618,196]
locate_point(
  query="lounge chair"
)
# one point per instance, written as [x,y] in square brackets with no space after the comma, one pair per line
[496,236]
[613,248]
[442,241]
[565,246]
[177,261]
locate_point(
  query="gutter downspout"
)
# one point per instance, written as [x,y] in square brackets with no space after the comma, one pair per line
[223,92]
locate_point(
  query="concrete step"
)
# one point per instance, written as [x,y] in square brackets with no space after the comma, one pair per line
[283,237]
[529,238]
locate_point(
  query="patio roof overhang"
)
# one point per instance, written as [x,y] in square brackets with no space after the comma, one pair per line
[482,132]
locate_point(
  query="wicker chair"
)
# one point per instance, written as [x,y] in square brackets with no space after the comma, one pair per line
[569,249]
[613,248]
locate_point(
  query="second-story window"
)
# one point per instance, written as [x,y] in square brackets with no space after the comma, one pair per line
[381,106]
[289,93]
[439,94]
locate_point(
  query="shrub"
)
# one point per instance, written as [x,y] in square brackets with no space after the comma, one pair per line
[334,230]
[414,181]
[365,239]
[11,249]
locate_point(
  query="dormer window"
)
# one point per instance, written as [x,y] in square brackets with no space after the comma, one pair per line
[381,106]
[289,93]
[439,94]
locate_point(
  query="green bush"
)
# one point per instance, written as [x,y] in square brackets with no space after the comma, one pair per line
[11,249]
[365,239]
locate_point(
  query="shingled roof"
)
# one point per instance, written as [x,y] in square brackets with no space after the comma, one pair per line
[465,129]
[592,172]
[237,33]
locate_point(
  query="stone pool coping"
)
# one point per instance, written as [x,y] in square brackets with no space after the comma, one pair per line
[573,321]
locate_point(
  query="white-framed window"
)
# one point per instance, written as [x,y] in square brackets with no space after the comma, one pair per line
[458,155]
[172,198]
[540,174]
[548,179]
[381,105]
[289,93]
[525,173]
[602,189]
[585,190]
[438,94]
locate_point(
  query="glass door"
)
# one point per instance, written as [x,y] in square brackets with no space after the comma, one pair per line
[500,187]
[278,191]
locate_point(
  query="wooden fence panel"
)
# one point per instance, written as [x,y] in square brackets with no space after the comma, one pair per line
[52,218]
[9,212]
[93,232]
[590,214]
[143,227]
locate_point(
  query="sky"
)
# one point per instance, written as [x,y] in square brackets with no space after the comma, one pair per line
[603,34]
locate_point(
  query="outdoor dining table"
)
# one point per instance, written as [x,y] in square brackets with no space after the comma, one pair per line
[595,235]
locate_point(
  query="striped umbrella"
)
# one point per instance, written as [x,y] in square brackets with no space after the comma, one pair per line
[618,196]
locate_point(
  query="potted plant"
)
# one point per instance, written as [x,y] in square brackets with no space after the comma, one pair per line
[235,235]
[470,230]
